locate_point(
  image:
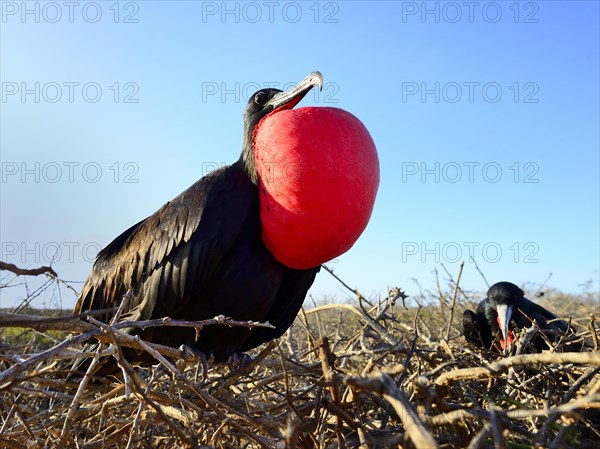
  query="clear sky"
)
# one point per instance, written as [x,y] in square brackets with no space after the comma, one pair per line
[485,116]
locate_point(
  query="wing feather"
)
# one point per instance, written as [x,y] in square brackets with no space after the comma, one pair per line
[168,258]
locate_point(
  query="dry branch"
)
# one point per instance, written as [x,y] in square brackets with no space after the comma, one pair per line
[498,367]
[382,384]
[388,377]
[103,334]
[27,271]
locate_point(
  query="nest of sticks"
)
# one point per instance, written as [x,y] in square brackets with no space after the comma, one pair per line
[366,374]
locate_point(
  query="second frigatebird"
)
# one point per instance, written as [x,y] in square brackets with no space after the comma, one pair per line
[504,311]
[202,254]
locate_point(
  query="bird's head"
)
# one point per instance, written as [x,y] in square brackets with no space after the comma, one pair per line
[503,297]
[316,171]
[268,101]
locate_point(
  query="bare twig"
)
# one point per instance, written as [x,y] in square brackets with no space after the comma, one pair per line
[27,271]
[480,272]
[586,358]
[384,385]
[453,302]
[438,391]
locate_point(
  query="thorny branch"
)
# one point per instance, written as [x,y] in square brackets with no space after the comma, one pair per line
[27,271]
[388,376]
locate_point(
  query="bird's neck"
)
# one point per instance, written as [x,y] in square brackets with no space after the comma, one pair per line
[248,160]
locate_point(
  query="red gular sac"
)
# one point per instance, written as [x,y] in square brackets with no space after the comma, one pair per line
[318,177]
[510,337]
[507,344]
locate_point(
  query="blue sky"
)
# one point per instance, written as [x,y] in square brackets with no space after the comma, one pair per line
[486,122]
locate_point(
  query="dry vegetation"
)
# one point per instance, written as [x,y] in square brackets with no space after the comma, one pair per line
[367,374]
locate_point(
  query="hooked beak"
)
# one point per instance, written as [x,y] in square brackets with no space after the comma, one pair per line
[290,98]
[504,314]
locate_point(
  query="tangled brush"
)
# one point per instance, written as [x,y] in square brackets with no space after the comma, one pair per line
[366,374]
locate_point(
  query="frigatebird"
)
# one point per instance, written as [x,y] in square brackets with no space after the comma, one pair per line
[201,255]
[506,310]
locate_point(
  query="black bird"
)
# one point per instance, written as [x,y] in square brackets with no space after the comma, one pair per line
[202,255]
[504,311]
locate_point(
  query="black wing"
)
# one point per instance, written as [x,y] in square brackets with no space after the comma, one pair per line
[476,329]
[163,259]
[544,318]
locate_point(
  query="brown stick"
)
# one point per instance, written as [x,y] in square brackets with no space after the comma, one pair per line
[453,302]
[585,358]
[74,324]
[26,271]
[383,384]
[588,401]
[370,321]
[326,361]
[92,331]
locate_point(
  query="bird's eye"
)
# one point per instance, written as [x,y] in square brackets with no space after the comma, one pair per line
[260,98]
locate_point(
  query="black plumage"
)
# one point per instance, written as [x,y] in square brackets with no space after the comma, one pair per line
[503,312]
[202,255]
